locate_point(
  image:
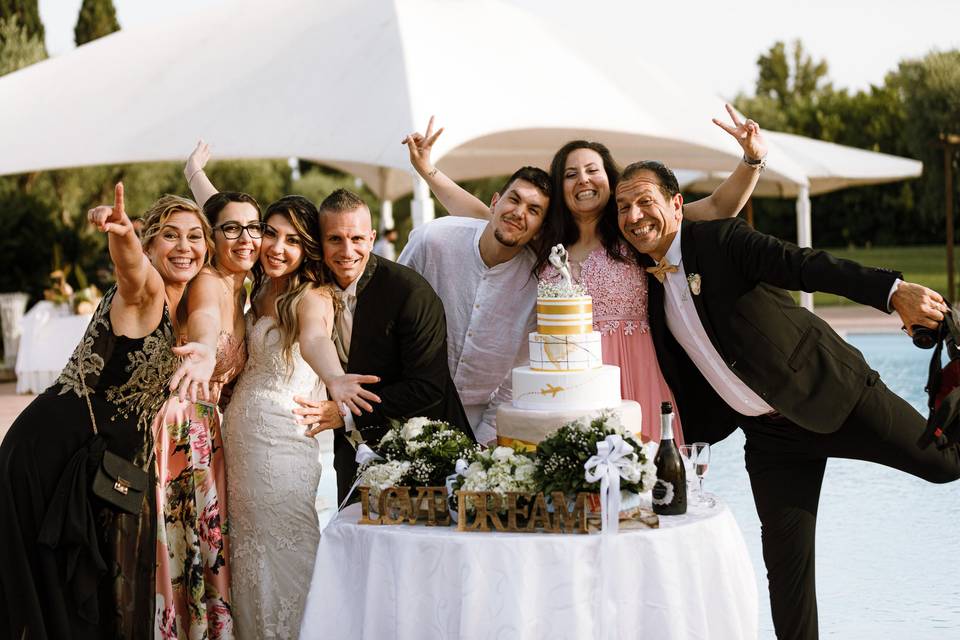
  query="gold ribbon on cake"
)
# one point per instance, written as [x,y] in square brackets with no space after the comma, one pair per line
[566,317]
[524,445]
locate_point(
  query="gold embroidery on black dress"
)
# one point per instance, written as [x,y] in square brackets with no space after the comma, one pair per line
[150,369]
[92,360]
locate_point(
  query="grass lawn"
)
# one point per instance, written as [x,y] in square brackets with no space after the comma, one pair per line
[925,265]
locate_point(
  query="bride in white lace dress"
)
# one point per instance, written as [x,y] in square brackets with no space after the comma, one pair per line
[272,466]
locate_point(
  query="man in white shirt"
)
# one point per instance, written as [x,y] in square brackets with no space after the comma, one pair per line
[738,352]
[483,272]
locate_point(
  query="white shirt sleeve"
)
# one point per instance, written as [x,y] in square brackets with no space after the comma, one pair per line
[413,254]
[893,288]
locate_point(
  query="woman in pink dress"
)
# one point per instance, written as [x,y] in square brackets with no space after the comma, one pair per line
[193,573]
[583,217]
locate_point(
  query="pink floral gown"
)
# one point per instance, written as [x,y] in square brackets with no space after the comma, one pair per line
[193,571]
[619,292]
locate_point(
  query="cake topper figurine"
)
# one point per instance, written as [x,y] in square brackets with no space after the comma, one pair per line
[558,258]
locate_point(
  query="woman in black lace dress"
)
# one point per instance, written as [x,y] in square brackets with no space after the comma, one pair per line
[70,566]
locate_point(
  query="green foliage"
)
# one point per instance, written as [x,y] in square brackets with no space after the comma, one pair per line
[930,90]
[27,13]
[97,18]
[18,48]
[24,227]
[902,117]
[265,180]
[926,265]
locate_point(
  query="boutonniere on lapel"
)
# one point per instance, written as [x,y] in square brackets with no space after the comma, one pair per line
[693,281]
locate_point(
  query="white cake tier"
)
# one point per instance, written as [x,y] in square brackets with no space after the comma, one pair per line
[527,428]
[565,316]
[566,390]
[565,353]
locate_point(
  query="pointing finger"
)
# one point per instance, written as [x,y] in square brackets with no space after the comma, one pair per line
[118,199]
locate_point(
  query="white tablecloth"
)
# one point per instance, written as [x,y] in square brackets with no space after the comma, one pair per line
[692,578]
[50,334]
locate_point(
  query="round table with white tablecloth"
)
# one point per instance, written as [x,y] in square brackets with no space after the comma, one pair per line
[50,334]
[691,578]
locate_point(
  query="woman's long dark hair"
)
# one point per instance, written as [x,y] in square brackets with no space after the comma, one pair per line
[304,218]
[560,226]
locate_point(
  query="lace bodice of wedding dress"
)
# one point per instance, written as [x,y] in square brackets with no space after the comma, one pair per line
[272,474]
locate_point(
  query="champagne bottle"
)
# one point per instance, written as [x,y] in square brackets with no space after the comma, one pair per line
[670,490]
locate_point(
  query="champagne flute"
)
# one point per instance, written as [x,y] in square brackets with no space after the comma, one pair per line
[686,454]
[700,457]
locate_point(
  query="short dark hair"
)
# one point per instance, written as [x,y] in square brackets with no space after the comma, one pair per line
[534,175]
[341,200]
[216,203]
[668,184]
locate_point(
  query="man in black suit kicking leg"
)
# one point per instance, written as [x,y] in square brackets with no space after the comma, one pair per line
[737,351]
[390,324]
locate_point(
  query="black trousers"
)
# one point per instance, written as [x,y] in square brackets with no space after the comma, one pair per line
[786,464]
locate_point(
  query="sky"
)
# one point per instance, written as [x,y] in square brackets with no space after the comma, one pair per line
[715,44]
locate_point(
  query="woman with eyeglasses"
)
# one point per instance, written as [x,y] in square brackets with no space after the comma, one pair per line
[193,567]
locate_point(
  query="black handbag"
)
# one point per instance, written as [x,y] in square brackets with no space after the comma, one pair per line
[117,481]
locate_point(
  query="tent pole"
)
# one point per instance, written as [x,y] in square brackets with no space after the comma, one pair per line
[948,183]
[804,234]
[422,206]
[386,216]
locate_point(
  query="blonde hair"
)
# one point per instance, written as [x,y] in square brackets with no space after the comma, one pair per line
[303,216]
[160,211]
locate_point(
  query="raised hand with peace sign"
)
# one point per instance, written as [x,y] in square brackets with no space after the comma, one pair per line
[420,145]
[747,134]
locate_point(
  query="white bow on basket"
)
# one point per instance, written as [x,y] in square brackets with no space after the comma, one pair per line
[611,457]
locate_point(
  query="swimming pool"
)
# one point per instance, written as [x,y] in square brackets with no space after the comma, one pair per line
[886,563]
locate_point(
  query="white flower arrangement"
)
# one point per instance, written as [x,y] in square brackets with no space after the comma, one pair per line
[562,454]
[500,470]
[418,452]
[560,290]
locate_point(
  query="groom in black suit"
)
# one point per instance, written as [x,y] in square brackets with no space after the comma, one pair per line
[737,351]
[391,325]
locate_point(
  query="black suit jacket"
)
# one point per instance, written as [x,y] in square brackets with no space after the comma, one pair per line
[787,355]
[399,334]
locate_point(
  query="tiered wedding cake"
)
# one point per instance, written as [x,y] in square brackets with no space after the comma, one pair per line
[566,378]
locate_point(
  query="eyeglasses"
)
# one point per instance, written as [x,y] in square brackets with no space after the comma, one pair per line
[233,230]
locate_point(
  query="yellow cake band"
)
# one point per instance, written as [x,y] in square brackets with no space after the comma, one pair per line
[550,309]
[565,331]
[504,441]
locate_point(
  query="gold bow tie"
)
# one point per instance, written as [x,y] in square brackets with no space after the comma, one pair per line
[662,268]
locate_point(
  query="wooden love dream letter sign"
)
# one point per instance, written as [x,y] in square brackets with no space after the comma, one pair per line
[514,513]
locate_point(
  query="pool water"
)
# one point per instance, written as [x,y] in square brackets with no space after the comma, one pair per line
[886,541]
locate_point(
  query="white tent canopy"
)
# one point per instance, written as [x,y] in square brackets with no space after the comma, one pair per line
[828,167]
[341,82]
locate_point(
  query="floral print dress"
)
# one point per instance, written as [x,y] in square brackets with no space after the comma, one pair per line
[193,570]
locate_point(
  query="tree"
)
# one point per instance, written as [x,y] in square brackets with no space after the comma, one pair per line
[28,14]
[18,48]
[97,18]
[789,83]
[930,90]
